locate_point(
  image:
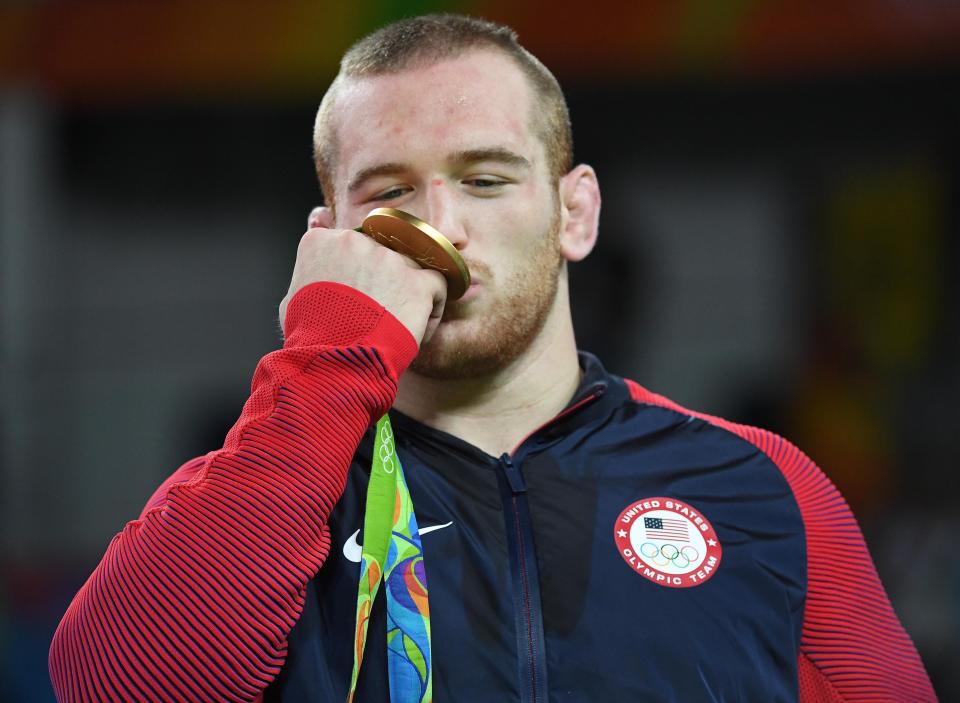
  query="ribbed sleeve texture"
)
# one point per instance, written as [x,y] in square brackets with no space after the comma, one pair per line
[194,600]
[853,647]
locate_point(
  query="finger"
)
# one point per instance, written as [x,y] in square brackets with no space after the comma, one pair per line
[439,293]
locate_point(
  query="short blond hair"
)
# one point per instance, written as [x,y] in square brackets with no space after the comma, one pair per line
[427,39]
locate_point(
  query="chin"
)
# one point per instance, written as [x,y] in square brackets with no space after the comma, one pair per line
[479,346]
[455,351]
[455,366]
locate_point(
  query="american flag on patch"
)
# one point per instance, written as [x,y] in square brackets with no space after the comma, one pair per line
[666,528]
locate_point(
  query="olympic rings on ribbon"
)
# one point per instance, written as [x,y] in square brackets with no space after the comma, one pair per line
[386,449]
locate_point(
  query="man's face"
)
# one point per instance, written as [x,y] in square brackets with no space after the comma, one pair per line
[453,144]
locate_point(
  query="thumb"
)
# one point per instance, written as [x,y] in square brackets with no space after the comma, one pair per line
[320,216]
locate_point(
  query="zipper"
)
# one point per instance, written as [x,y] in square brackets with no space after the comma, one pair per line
[521,551]
[525,578]
[524,571]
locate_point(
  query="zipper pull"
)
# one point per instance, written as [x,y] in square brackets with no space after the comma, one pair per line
[512,472]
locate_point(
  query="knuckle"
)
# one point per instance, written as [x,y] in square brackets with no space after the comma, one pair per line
[305,239]
[348,239]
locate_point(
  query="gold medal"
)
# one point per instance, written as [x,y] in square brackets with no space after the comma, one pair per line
[412,237]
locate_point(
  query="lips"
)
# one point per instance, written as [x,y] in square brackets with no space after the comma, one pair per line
[471,293]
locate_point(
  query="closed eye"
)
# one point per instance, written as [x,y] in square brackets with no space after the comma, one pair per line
[488,185]
[393,193]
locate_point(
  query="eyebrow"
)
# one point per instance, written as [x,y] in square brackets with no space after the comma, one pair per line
[459,158]
[498,154]
[387,169]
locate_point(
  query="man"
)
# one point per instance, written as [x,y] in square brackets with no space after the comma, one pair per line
[591,541]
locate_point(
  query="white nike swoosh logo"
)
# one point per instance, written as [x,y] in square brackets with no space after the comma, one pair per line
[354,551]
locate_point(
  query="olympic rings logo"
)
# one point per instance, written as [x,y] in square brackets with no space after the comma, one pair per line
[669,554]
[386,449]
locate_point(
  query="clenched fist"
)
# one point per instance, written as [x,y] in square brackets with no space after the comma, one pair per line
[415,296]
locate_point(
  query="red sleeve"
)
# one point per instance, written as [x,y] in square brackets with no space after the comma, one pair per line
[194,600]
[852,647]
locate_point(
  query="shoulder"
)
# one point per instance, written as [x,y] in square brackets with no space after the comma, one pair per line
[853,646]
[822,507]
[813,490]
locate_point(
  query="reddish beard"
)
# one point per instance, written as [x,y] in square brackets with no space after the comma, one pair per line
[517,310]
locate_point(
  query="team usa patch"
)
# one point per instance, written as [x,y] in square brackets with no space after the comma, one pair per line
[668,542]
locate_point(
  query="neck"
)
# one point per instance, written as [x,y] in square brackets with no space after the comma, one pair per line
[496,412]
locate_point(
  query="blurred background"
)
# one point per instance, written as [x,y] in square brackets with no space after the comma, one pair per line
[777,246]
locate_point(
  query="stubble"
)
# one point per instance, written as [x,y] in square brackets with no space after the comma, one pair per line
[518,311]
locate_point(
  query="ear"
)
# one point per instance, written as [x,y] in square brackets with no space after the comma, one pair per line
[579,212]
[320,217]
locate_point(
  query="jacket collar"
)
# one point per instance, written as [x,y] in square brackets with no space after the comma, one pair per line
[597,396]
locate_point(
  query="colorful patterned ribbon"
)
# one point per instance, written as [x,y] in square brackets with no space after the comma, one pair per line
[392,551]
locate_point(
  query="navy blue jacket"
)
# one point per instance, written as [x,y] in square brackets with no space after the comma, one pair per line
[532,599]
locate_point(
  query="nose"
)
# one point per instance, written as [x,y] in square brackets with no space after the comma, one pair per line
[442,213]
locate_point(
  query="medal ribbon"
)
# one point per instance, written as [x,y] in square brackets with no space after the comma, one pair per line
[392,552]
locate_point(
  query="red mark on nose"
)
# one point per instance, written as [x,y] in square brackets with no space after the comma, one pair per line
[437,182]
